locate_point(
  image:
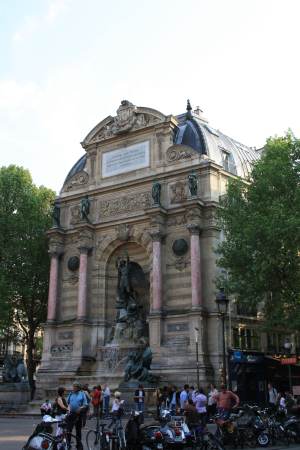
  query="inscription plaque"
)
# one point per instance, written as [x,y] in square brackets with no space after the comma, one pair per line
[125,159]
[171,327]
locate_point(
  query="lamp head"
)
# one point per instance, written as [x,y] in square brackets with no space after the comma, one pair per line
[222,301]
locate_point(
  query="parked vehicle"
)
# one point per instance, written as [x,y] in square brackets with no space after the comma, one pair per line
[42,437]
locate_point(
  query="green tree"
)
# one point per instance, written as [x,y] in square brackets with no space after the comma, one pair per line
[25,215]
[261,223]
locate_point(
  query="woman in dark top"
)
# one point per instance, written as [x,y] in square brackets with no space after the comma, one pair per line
[61,408]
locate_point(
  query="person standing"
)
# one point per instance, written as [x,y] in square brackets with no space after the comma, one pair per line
[282,403]
[200,401]
[191,392]
[226,401]
[117,408]
[96,399]
[139,399]
[272,396]
[77,403]
[85,412]
[211,401]
[106,399]
[184,396]
[191,414]
[61,408]
[173,400]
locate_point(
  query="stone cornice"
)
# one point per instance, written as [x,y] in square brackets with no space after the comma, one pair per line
[162,176]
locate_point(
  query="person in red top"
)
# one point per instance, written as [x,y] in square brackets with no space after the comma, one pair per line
[226,401]
[96,400]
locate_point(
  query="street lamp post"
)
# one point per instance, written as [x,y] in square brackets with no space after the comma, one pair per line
[288,348]
[222,304]
[197,356]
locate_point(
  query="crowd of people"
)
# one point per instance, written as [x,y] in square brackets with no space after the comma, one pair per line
[197,405]
[82,403]
[283,401]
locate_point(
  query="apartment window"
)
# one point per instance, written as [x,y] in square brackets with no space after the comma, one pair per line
[275,342]
[245,338]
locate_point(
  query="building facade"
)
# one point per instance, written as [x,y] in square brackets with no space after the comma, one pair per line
[146,189]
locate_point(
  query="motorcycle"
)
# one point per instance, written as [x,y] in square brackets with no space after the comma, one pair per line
[42,437]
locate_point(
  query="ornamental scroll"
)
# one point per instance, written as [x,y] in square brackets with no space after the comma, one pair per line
[178,152]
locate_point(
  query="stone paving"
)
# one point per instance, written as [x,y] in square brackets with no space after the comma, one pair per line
[14,432]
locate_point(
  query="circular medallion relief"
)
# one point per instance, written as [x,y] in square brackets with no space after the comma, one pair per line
[180,247]
[73,263]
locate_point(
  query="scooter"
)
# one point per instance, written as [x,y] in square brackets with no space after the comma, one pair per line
[42,437]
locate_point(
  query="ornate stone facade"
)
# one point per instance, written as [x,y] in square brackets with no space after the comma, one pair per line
[124,220]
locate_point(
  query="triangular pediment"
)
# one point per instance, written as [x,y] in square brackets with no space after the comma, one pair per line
[129,118]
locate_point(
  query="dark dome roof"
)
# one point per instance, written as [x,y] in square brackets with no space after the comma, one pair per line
[189,133]
[195,131]
[78,166]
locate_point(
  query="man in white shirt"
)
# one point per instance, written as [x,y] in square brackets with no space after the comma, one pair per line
[200,401]
[184,396]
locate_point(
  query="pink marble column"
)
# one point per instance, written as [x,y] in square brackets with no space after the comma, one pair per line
[82,286]
[53,282]
[196,267]
[156,273]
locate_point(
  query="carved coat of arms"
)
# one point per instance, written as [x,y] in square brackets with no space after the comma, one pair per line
[126,117]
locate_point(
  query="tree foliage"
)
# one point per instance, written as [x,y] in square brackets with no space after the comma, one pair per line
[25,215]
[261,223]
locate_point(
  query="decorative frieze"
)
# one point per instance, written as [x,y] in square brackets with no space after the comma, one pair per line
[123,205]
[61,349]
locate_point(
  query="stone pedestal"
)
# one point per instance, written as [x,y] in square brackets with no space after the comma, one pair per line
[14,396]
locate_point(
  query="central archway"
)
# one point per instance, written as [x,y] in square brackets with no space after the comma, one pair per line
[140,268]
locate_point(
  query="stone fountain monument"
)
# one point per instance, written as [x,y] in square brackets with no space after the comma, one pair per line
[130,331]
[14,389]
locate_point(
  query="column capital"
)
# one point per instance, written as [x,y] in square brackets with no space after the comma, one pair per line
[84,249]
[157,235]
[55,252]
[194,229]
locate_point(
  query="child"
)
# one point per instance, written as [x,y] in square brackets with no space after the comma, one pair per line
[46,408]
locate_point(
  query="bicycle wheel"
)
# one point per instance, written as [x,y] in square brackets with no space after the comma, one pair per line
[212,443]
[93,440]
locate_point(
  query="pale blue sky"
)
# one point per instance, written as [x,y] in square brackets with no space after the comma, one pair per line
[67,64]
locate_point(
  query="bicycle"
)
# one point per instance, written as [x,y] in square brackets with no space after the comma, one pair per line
[118,435]
[98,438]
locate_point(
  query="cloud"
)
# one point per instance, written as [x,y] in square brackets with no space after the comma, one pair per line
[56,7]
[34,23]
